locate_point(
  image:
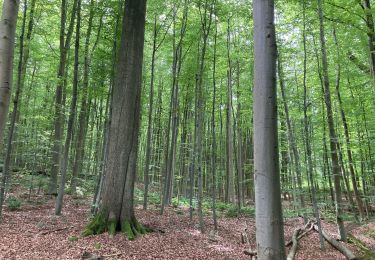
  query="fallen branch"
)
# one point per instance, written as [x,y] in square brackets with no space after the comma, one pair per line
[112,255]
[339,246]
[245,240]
[53,231]
[293,250]
[90,256]
[302,234]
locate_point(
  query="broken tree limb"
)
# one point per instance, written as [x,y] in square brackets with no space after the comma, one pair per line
[53,231]
[306,229]
[293,250]
[339,246]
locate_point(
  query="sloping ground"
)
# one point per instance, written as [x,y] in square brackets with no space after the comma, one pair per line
[34,233]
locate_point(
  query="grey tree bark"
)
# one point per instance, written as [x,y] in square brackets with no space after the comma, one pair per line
[331,127]
[229,184]
[269,219]
[22,65]
[72,114]
[8,24]
[292,140]
[82,122]
[346,132]
[65,39]
[117,209]
[310,170]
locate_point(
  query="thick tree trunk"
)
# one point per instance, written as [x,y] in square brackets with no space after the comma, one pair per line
[8,24]
[331,127]
[269,220]
[117,209]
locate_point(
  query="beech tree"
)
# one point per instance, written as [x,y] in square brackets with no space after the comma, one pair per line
[7,37]
[116,211]
[269,219]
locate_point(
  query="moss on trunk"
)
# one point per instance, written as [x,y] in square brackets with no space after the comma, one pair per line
[102,223]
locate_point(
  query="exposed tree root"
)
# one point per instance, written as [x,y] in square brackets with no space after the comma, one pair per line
[339,246]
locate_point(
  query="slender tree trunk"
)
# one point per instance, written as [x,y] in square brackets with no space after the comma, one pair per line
[150,110]
[206,27]
[230,186]
[69,134]
[239,143]
[213,133]
[82,122]
[8,24]
[269,219]
[174,113]
[366,6]
[346,132]
[310,169]
[22,64]
[59,99]
[332,132]
[292,141]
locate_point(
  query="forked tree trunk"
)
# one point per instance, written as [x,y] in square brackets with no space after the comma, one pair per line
[117,209]
[269,219]
[331,127]
[8,24]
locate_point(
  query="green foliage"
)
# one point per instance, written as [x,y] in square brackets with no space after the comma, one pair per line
[222,206]
[233,212]
[13,203]
[154,198]
[73,238]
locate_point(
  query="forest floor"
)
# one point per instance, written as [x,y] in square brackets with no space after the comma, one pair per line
[33,232]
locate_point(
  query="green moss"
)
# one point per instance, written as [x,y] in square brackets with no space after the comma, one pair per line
[140,228]
[128,231]
[112,227]
[97,225]
[366,252]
